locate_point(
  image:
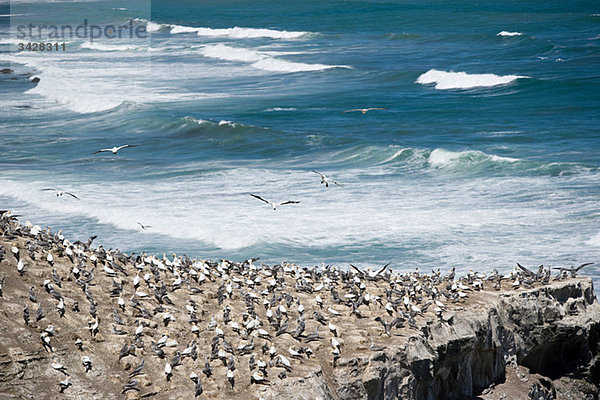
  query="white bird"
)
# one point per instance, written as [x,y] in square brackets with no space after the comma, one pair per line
[20,267]
[109,271]
[59,193]
[285,362]
[319,301]
[333,329]
[114,149]
[273,204]
[59,367]
[168,370]
[365,110]
[257,378]
[325,179]
[332,311]
[294,353]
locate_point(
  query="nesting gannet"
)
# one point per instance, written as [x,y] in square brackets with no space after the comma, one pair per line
[59,192]
[64,385]
[86,361]
[273,204]
[365,110]
[325,180]
[114,149]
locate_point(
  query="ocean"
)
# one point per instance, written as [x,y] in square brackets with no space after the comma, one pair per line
[486,151]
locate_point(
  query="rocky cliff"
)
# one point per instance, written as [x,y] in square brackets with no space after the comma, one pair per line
[84,322]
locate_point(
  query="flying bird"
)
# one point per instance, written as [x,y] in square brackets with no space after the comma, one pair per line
[144,227]
[325,179]
[114,149]
[273,204]
[365,110]
[60,192]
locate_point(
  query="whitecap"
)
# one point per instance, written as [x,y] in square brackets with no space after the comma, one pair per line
[507,33]
[462,80]
[234,33]
[261,60]
[594,241]
[280,109]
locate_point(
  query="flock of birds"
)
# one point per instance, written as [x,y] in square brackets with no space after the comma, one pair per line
[325,180]
[229,324]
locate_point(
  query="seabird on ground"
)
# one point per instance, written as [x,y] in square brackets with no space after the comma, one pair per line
[59,193]
[59,367]
[86,361]
[574,270]
[26,314]
[115,149]
[273,204]
[130,385]
[64,384]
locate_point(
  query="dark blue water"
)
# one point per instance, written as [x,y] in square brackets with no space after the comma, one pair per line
[486,152]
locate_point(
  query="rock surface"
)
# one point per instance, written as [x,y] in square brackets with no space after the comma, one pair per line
[477,342]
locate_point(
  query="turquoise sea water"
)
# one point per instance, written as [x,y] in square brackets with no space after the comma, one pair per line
[487,154]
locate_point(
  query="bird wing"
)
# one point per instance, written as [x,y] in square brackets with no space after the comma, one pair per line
[376,108]
[317,172]
[289,202]
[337,184]
[354,109]
[101,150]
[72,195]
[583,265]
[260,198]
[527,271]
[125,146]
[44,190]
[383,268]
[361,273]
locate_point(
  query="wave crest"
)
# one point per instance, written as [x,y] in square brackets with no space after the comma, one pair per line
[507,33]
[461,80]
[233,33]
[261,60]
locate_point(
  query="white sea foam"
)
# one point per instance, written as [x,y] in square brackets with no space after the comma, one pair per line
[438,221]
[442,157]
[261,60]
[111,47]
[196,120]
[462,80]
[280,109]
[507,33]
[154,27]
[595,240]
[175,29]
[276,65]
[250,33]
[99,85]
[228,53]
[228,123]
[233,33]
